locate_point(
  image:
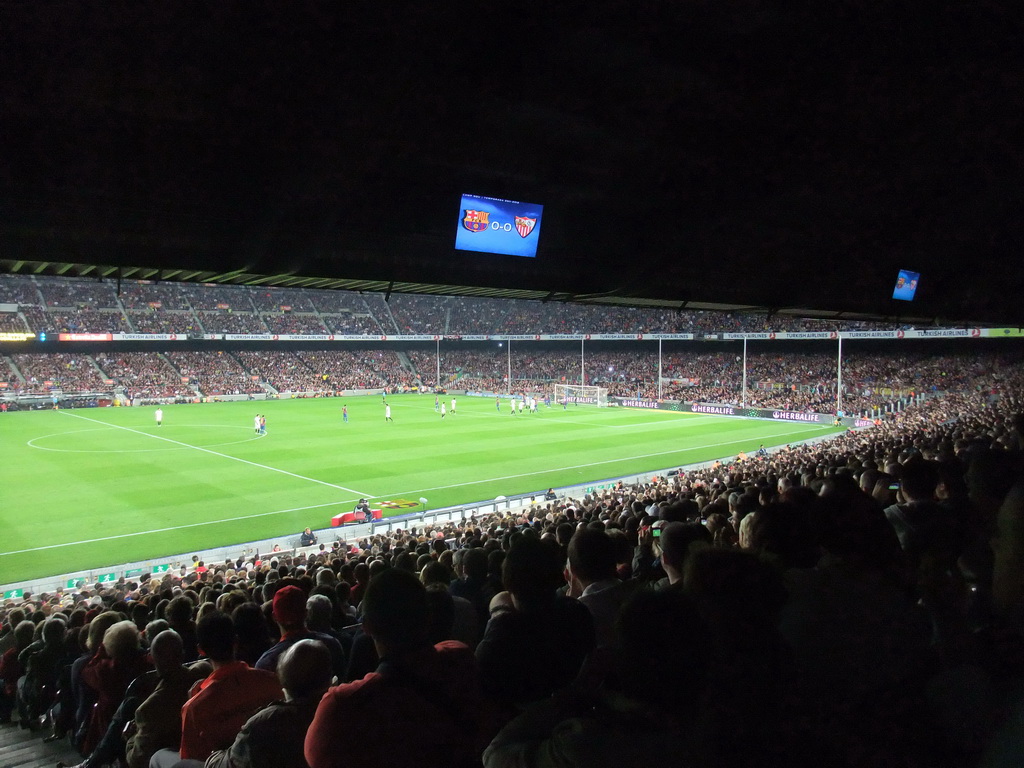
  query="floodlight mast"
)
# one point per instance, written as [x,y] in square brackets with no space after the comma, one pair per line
[839,377]
[659,369]
[743,398]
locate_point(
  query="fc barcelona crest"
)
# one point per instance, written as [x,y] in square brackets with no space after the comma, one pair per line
[475,221]
[524,225]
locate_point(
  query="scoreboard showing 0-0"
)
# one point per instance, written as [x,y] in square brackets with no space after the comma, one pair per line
[492,225]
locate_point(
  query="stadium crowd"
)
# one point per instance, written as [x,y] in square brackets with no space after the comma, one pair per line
[83,294]
[155,296]
[214,373]
[152,321]
[145,376]
[86,321]
[346,369]
[12,322]
[19,290]
[855,602]
[290,323]
[228,321]
[795,382]
[282,370]
[74,304]
[352,324]
[275,300]
[213,298]
[63,370]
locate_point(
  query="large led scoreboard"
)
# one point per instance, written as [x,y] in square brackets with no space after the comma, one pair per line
[493,225]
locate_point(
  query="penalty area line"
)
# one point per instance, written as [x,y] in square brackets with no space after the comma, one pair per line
[360,494]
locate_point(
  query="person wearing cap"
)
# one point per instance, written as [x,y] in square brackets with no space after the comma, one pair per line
[289,611]
[220,704]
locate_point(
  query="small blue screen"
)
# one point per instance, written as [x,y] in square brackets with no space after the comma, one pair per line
[906,285]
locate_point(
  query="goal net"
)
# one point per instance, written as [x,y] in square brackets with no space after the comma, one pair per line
[580,395]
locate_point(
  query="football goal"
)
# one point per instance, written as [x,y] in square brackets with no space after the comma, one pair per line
[579,394]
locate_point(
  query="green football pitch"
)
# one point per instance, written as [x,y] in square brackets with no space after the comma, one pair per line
[83,489]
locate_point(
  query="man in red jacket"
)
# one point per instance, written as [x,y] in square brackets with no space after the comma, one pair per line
[219,705]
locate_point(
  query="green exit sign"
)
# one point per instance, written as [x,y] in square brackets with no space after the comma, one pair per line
[13,594]
[162,568]
[74,583]
[107,578]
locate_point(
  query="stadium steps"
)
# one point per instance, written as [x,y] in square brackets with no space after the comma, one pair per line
[124,313]
[391,317]
[39,292]
[406,362]
[320,317]
[18,374]
[20,748]
[96,365]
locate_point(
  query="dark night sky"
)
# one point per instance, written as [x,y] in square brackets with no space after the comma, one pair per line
[774,153]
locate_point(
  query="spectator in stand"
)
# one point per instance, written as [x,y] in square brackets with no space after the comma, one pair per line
[472,584]
[924,527]
[531,614]
[431,693]
[275,736]
[157,720]
[10,667]
[643,709]
[253,635]
[91,640]
[218,706]
[42,661]
[466,626]
[740,597]
[676,543]
[111,747]
[118,662]
[592,578]
[214,373]
[179,618]
[289,610]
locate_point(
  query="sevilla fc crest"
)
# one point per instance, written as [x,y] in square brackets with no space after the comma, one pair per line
[524,226]
[475,221]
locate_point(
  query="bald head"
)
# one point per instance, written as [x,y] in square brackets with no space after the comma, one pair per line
[305,669]
[166,650]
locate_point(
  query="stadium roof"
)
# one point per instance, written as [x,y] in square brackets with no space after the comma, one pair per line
[782,155]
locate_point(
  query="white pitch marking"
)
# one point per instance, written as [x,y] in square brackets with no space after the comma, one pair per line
[31,443]
[225,456]
[174,528]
